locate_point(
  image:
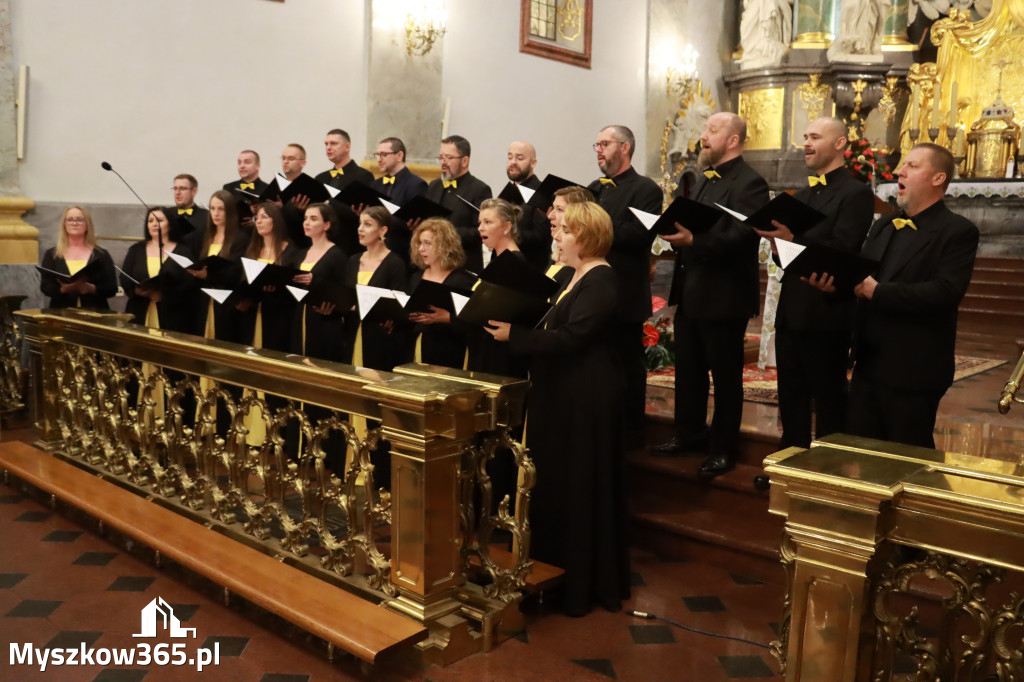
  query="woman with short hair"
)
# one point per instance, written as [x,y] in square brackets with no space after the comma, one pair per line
[574,428]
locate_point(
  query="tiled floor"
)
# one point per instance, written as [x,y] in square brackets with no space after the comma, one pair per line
[61,585]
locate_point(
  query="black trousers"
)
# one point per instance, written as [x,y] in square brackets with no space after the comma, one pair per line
[629,343]
[714,346]
[902,416]
[812,367]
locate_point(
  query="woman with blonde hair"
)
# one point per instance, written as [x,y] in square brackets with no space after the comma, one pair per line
[575,423]
[76,249]
[436,251]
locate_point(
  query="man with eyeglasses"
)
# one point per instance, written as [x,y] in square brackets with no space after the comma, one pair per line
[617,190]
[460,192]
[398,184]
[190,216]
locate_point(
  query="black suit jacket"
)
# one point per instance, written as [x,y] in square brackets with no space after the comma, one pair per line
[849,206]
[717,277]
[105,281]
[175,309]
[406,186]
[630,255]
[534,230]
[465,219]
[196,222]
[906,334]
[260,185]
[351,172]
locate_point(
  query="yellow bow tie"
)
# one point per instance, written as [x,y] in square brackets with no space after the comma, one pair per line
[336,172]
[247,185]
[388,180]
[815,180]
[607,181]
[711,174]
[900,223]
[182,211]
[450,183]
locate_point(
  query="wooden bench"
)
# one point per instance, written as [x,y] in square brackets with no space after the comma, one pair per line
[342,619]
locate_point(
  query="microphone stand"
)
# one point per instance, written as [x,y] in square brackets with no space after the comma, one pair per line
[159,233]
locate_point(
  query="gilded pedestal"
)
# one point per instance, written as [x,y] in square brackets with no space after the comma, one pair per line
[19,241]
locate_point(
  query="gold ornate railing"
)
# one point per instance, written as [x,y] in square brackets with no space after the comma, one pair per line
[11,397]
[903,563]
[238,438]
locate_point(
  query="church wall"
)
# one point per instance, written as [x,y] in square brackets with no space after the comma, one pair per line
[500,95]
[158,88]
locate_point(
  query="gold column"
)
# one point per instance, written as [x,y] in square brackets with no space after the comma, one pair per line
[19,241]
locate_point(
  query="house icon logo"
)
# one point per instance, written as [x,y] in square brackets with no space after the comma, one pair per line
[159,614]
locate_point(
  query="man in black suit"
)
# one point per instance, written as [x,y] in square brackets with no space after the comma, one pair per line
[454,189]
[248,173]
[190,216]
[812,337]
[396,182]
[338,147]
[534,227]
[715,286]
[399,185]
[905,328]
[618,189]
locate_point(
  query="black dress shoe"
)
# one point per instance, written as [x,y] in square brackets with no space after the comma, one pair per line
[716,465]
[678,445]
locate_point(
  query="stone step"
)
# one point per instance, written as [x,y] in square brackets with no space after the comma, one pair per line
[729,541]
[995,288]
[1000,302]
[667,484]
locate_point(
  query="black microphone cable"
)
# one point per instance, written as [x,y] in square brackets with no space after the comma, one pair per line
[651,616]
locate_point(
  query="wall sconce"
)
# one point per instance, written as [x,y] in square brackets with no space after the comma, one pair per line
[680,78]
[424,25]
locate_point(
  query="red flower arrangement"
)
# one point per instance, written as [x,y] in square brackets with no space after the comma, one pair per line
[866,162]
[651,335]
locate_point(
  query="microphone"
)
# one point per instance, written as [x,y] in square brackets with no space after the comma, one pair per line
[159,233]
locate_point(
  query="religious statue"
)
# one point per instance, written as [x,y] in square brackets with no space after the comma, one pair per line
[765,31]
[688,127]
[861,24]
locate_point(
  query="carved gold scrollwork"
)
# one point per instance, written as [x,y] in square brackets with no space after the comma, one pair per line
[762,109]
[479,524]
[111,414]
[969,638]
[779,647]
[887,104]
[10,355]
[812,96]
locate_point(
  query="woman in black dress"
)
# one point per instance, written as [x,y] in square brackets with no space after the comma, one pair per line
[376,345]
[267,321]
[170,305]
[574,430]
[223,237]
[76,249]
[500,233]
[319,331]
[437,251]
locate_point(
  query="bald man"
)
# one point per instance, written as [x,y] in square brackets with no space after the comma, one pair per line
[715,286]
[812,337]
[534,228]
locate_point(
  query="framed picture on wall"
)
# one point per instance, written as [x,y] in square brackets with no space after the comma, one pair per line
[557,29]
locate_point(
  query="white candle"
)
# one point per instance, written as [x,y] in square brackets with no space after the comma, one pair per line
[935,105]
[913,109]
[952,106]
